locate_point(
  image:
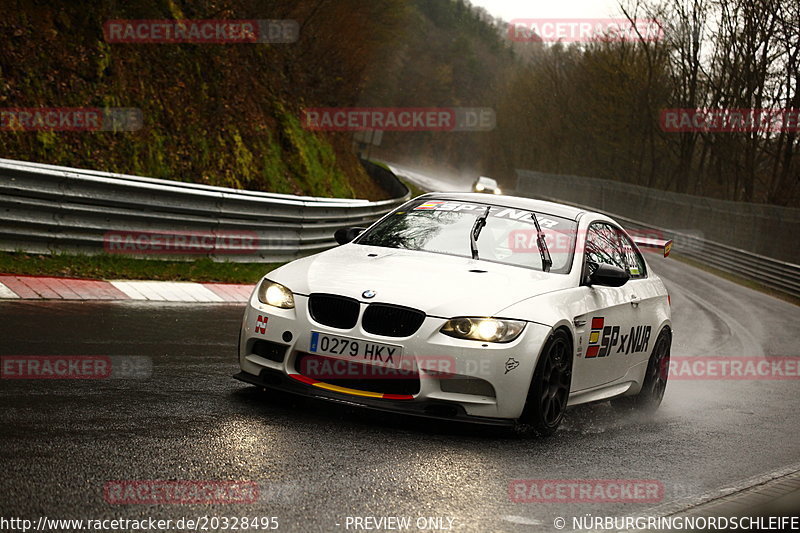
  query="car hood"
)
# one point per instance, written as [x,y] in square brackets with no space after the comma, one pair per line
[440,285]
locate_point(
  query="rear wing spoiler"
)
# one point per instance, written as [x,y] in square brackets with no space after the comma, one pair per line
[657,244]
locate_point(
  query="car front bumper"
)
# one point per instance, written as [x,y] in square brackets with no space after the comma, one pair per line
[483,382]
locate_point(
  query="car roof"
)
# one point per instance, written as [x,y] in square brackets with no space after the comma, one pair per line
[514,202]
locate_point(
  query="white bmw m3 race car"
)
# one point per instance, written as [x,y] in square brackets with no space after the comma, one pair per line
[490,309]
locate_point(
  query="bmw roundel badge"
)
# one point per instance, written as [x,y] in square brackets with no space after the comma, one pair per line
[369,293]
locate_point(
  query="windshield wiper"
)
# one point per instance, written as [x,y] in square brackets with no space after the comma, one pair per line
[547,262]
[480,222]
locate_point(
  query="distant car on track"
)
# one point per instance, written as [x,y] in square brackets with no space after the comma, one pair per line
[486,185]
[498,310]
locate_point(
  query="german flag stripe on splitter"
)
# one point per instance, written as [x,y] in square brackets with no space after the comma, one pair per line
[345,390]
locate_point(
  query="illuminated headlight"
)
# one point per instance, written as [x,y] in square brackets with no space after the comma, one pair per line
[479,188]
[498,191]
[275,294]
[483,329]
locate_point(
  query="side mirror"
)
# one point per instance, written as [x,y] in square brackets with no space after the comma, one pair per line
[345,235]
[609,275]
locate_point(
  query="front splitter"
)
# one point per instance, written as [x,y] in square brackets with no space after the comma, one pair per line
[431,409]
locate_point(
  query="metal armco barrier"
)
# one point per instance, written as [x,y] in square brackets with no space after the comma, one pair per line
[774,273]
[46,209]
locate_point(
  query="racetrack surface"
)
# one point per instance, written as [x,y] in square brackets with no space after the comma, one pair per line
[433,181]
[61,441]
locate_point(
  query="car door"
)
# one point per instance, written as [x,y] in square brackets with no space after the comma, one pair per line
[610,313]
[645,297]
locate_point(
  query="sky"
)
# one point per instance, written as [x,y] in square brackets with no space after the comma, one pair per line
[521,9]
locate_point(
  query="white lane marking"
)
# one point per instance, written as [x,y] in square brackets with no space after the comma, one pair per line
[685,504]
[177,291]
[5,292]
[181,291]
[156,291]
[128,289]
[146,289]
[163,291]
[200,293]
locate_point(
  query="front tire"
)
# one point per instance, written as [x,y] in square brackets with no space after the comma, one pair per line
[549,390]
[655,378]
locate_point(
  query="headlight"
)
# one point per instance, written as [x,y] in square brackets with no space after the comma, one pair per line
[479,188]
[483,329]
[498,191]
[275,294]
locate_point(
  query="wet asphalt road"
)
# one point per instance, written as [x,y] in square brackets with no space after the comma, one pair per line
[317,464]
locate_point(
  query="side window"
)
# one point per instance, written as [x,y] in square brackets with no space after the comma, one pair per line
[636,266]
[603,246]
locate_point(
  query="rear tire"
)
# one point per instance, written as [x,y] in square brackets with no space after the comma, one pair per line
[549,390]
[655,379]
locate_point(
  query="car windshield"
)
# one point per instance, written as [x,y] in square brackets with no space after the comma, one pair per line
[444,227]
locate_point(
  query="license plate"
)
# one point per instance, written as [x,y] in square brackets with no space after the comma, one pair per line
[358,350]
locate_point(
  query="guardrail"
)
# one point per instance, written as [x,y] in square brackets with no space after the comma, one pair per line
[47,208]
[758,228]
[780,275]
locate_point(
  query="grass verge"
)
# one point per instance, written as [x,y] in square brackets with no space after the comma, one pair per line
[106,266]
